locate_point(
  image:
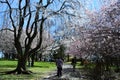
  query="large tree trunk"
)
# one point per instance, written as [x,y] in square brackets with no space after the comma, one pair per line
[21,67]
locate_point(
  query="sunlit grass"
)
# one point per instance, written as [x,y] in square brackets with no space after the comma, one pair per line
[39,70]
[78,64]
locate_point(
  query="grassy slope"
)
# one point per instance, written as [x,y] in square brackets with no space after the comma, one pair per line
[40,70]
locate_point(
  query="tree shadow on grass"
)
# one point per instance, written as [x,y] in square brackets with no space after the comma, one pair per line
[42,66]
[33,76]
[2,73]
[13,66]
[7,66]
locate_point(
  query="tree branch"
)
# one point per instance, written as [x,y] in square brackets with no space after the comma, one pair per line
[7,29]
[11,17]
[48,3]
[3,1]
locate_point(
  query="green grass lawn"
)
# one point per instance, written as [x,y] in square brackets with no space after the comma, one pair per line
[40,70]
[78,64]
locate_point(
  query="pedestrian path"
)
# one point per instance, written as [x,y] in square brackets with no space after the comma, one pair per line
[67,74]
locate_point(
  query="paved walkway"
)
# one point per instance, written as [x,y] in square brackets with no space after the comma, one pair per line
[68,74]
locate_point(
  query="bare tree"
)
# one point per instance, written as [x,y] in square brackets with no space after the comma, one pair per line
[24,15]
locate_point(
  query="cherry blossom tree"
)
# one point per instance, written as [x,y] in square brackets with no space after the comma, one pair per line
[104,38]
[6,44]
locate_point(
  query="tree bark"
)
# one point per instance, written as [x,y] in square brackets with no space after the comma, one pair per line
[21,67]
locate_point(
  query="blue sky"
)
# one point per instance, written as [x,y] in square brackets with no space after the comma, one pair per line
[0,54]
[94,5]
[91,4]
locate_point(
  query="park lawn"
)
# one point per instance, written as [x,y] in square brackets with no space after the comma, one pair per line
[78,64]
[40,70]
